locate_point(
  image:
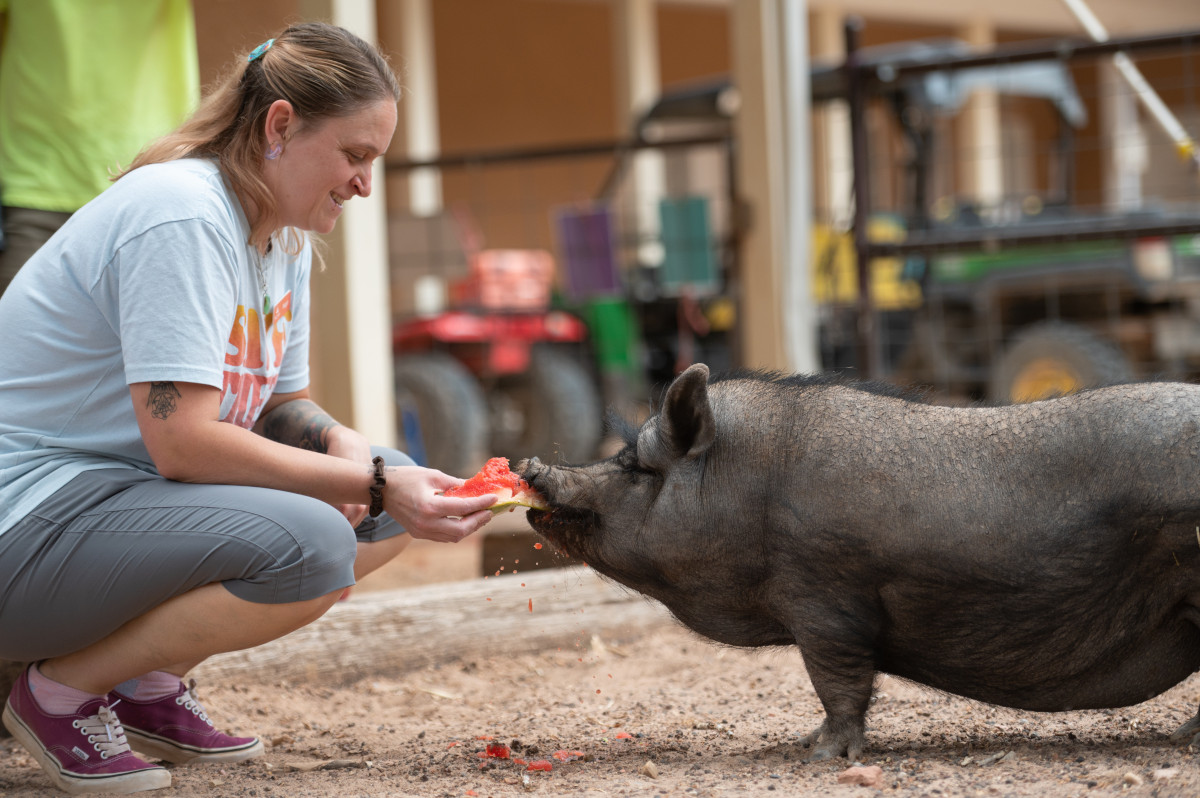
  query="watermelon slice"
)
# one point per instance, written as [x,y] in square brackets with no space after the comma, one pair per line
[511,491]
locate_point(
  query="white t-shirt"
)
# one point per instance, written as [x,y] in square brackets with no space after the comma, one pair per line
[152,281]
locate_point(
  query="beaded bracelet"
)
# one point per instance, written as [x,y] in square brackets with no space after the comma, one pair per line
[377,489]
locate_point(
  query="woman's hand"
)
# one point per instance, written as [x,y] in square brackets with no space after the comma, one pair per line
[413,496]
[349,444]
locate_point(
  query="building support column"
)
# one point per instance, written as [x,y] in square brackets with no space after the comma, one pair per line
[638,84]
[350,346]
[833,168]
[771,71]
[1122,137]
[409,23]
[980,165]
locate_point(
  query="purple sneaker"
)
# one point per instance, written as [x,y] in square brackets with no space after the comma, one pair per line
[177,729]
[81,753]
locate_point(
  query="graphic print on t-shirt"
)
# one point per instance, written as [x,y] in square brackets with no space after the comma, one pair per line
[252,364]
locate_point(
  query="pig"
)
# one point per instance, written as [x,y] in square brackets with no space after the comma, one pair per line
[1040,556]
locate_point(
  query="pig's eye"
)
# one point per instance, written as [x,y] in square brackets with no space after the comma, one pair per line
[642,468]
[628,460]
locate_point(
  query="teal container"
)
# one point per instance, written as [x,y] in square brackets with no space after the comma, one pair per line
[613,332]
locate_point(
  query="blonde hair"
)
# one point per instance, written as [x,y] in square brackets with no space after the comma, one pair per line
[324,72]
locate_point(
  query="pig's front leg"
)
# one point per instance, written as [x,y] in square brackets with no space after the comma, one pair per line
[843,676]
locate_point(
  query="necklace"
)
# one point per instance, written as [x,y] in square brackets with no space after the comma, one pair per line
[260,267]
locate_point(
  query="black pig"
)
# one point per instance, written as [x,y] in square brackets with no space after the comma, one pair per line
[1040,556]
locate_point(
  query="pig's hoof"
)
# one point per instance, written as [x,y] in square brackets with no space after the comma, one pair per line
[833,744]
[833,749]
[823,754]
[814,736]
[1188,732]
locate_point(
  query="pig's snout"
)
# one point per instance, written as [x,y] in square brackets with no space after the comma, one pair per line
[561,486]
[534,471]
[531,469]
[578,489]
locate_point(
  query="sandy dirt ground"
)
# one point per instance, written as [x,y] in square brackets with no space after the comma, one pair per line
[660,714]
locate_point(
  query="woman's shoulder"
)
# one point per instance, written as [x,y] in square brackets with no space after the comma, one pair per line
[186,178]
[180,190]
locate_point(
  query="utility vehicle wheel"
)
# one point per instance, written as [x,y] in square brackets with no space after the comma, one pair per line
[441,416]
[552,411]
[1052,359]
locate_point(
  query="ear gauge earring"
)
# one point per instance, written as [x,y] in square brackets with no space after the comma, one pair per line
[275,151]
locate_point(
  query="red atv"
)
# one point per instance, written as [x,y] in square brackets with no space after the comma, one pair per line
[499,374]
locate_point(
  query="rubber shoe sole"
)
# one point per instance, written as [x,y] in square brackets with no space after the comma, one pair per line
[152,779]
[171,751]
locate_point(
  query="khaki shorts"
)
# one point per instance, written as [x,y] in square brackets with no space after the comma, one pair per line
[25,230]
[115,543]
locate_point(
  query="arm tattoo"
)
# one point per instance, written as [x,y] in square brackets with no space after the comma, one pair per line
[300,423]
[162,399]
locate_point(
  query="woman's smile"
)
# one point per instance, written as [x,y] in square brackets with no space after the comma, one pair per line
[329,159]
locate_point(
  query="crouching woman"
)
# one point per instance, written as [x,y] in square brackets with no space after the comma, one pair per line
[168,491]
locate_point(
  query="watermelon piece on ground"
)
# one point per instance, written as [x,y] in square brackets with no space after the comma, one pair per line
[511,491]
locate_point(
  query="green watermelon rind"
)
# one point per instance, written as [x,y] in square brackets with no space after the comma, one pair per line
[522,498]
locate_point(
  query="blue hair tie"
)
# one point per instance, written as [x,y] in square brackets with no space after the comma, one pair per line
[258,51]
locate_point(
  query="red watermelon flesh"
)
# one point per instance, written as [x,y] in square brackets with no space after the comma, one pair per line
[510,489]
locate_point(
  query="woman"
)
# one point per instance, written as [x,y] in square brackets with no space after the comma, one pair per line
[168,491]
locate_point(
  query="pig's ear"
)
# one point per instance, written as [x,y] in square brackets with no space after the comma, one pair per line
[685,424]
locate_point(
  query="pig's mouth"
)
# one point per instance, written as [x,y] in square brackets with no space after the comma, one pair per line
[560,518]
[567,528]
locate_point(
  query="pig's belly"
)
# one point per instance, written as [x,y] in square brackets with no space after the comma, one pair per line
[1045,680]
[730,626]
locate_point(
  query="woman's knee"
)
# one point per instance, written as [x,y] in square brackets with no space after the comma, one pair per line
[393,457]
[312,551]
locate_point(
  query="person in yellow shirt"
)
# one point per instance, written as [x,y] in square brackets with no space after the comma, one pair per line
[84,86]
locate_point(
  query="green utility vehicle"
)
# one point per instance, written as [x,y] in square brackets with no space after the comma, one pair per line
[1034,295]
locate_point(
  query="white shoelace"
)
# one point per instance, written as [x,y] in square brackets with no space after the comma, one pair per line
[104,732]
[190,702]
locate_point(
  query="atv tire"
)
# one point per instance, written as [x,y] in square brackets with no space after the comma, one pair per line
[552,411]
[441,415]
[1055,358]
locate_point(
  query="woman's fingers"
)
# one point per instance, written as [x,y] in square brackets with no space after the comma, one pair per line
[450,530]
[460,506]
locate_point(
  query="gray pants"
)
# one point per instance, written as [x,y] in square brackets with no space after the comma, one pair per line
[114,543]
[25,230]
